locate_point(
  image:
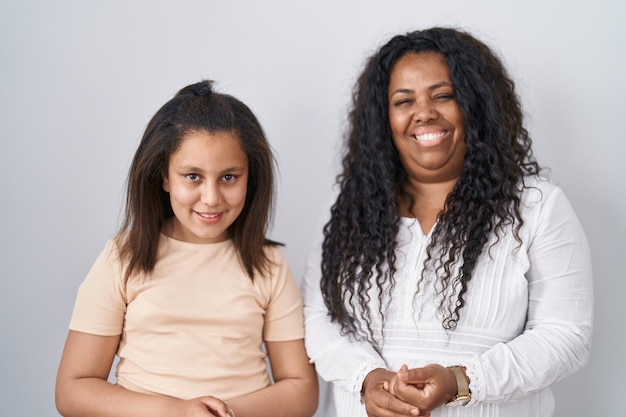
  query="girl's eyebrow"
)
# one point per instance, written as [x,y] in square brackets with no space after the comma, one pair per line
[189,168]
[235,168]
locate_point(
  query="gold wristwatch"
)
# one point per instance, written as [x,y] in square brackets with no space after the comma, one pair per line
[463,394]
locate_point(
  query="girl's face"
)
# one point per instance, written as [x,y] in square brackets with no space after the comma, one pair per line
[207,179]
[427,124]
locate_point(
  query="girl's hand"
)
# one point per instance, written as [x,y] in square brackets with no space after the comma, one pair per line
[204,407]
[294,391]
[82,387]
[379,402]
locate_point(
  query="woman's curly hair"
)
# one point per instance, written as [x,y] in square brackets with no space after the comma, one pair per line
[359,248]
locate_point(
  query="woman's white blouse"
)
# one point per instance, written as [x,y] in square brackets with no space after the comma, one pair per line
[527,322]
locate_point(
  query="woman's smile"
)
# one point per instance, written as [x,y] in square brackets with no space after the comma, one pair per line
[426,122]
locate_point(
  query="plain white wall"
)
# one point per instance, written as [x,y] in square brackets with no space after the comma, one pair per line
[80,79]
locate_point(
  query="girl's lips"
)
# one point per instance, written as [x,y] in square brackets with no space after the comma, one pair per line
[209,217]
[206,215]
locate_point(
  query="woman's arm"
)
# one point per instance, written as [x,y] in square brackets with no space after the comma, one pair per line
[82,388]
[337,359]
[295,391]
[557,339]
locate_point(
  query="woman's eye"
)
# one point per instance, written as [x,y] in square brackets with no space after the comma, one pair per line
[443,97]
[402,102]
[192,177]
[229,177]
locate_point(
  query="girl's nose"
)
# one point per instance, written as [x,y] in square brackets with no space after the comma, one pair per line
[210,194]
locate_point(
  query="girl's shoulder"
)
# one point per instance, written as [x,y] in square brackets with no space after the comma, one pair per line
[276,269]
[274,253]
[111,252]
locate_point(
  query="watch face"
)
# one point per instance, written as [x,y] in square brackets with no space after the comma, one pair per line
[459,401]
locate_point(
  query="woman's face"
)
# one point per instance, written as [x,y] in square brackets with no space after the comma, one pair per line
[207,181]
[426,122]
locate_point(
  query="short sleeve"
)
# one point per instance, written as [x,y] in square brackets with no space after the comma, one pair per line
[100,305]
[284,317]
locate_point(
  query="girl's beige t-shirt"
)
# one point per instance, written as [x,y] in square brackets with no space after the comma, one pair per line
[196,326]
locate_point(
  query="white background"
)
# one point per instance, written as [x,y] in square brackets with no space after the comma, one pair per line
[79,81]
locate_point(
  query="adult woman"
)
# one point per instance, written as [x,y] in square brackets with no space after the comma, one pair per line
[451,272]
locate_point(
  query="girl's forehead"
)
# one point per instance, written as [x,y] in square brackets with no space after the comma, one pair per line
[205,149]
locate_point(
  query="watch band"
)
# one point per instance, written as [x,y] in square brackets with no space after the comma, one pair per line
[463,394]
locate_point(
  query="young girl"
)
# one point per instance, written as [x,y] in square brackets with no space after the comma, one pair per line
[190,289]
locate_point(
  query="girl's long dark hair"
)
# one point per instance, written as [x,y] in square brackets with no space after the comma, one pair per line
[195,108]
[359,249]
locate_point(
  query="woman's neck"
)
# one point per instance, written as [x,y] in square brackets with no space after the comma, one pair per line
[428,201]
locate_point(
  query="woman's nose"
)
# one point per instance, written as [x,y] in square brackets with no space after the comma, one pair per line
[424,111]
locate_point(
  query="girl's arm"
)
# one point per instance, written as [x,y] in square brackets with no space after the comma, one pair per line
[82,388]
[295,391]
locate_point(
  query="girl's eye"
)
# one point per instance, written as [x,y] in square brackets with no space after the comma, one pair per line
[229,177]
[192,177]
